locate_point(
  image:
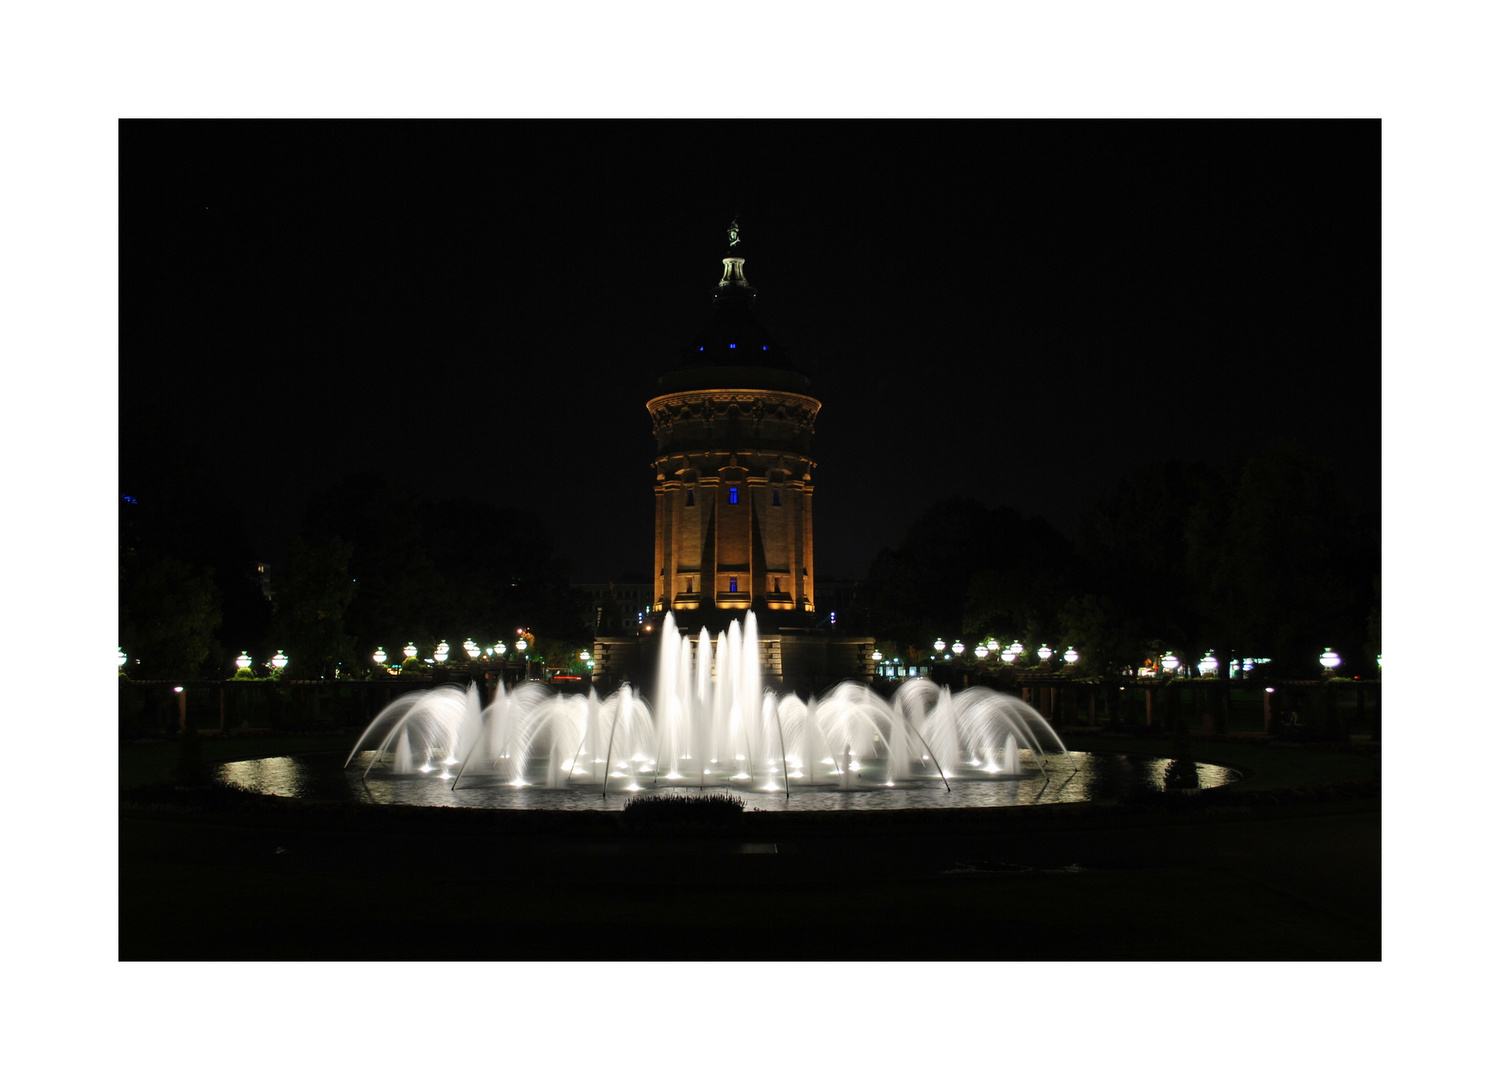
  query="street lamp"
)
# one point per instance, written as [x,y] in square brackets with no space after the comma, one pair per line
[1044,654]
[440,654]
[120,658]
[279,660]
[1170,663]
[1330,660]
[980,652]
[243,660]
[940,645]
[1071,656]
[1209,664]
[410,650]
[471,648]
[379,656]
[958,648]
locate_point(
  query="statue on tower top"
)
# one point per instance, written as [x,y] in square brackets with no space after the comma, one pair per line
[734,231]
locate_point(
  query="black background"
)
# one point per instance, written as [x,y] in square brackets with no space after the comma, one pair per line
[1022,312]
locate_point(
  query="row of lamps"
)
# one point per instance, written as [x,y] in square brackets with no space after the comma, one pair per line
[1010,653]
[441,653]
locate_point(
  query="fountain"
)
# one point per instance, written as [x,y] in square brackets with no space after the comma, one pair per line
[714,724]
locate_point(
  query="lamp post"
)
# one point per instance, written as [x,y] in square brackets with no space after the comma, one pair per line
[1329,660]
[1071,656]
[1170,664]
[120,658]
[410,650]
[380,657]
[243,660]
[525,665]
[471,648]
[440,654]
[1208,665]
[279,660]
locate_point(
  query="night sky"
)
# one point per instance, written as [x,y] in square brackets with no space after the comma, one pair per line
[1020,312]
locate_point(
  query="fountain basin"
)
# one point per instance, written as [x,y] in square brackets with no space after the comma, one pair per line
[1073,776]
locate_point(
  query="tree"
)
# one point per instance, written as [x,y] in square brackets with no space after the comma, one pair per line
[1108,640]
[313,592]
[967,568]
[442,568]
[169,613]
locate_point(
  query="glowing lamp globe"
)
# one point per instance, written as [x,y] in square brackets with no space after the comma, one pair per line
[379,657]
[410,650]
[940,645]
[471,648]
[981,652]
[521,645]
[583,654]
[1330,659]
[243,660]
[958,648]
[279,660]
[499,648]
[440,654]
[119,658]
[1044,653]
[877,656]
[1170,663]
[1209,664]
[1071,656]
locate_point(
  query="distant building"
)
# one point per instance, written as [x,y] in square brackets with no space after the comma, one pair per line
[618,607]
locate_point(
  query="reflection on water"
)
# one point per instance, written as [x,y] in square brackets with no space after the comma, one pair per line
[1072,777]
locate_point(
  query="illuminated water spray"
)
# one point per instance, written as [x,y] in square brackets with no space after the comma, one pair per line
[714,724]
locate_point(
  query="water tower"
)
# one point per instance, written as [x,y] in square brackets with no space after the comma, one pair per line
[734,501]
[734,489]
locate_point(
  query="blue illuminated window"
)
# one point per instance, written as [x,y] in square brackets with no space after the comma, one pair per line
[731,345]
[765,348]
[690,496]
[734,584]
[734,495]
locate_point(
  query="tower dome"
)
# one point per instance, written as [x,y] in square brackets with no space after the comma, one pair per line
[733,347]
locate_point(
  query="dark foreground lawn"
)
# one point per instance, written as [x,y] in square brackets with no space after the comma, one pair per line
[1289,872]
